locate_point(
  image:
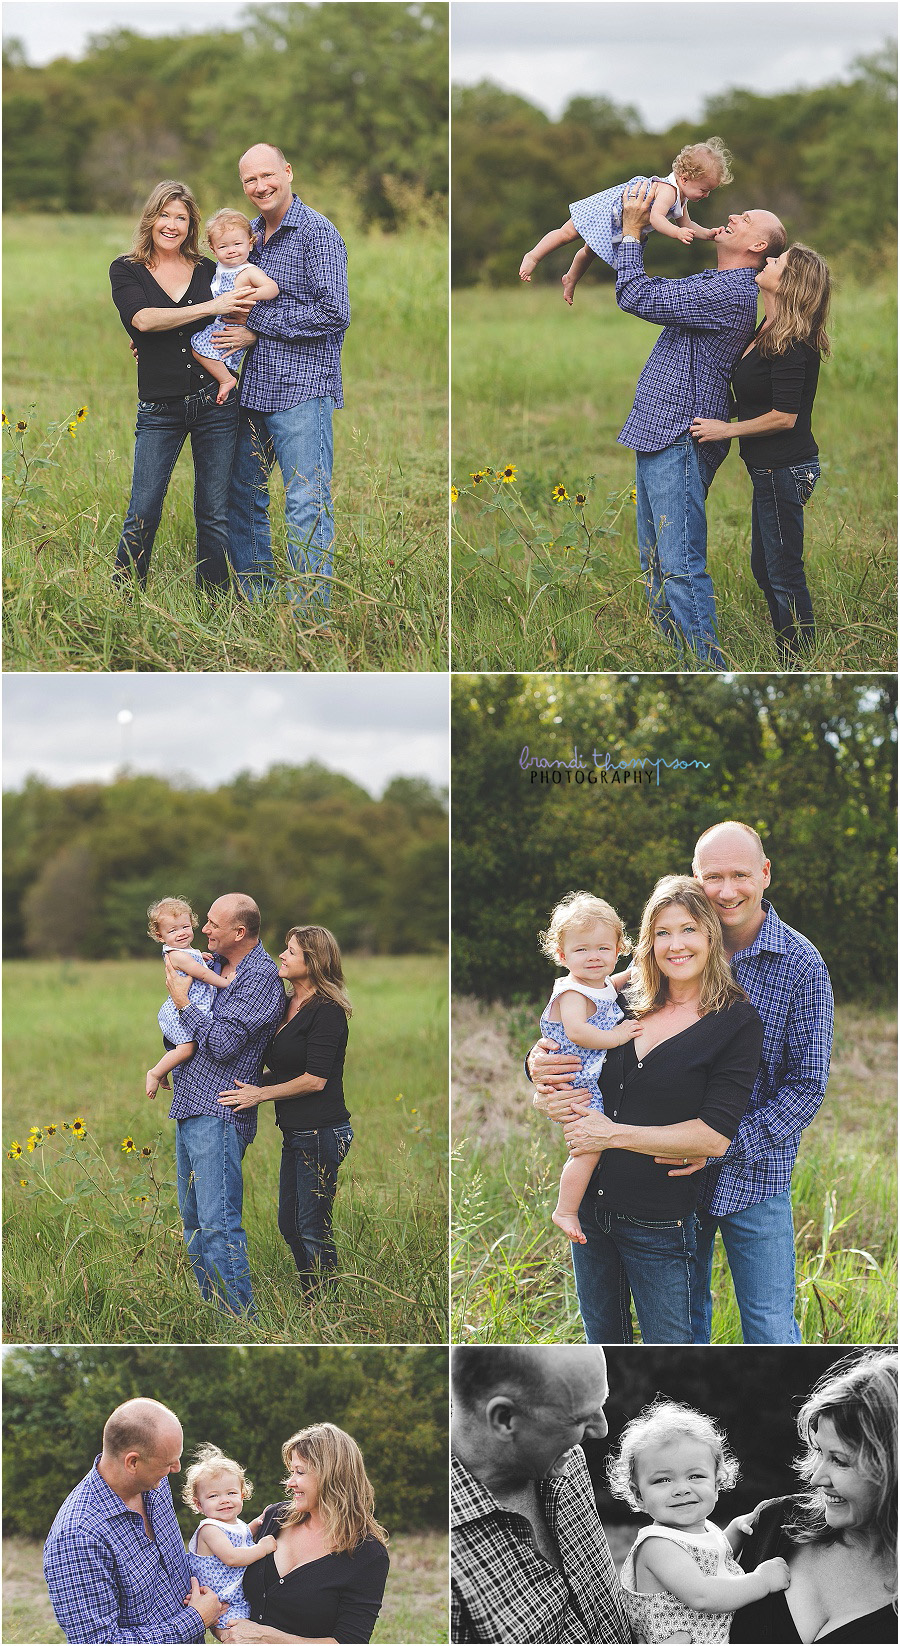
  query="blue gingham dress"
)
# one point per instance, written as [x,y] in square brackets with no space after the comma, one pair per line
[203,342]
[598,217]
[659,1617]
[606,1014]
[227,1581]
[200,995]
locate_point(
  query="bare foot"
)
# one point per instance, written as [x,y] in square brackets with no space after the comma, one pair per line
[568,286]
[225,390]
[527,266]
[152,1084]
[568,1222]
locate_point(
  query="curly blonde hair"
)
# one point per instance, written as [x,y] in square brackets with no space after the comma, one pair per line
[167,905]
[707,159]
[226,219]
[649,989]
[802,304]
[210,1460]
[574,912]
[662,1421]
[346,1499]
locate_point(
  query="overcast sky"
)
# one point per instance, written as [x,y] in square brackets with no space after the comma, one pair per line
[207,727]
[664,56]
[60,28]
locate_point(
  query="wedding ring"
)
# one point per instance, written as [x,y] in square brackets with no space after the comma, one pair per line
[684,1162]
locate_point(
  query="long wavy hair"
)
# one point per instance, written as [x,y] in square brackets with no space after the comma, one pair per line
[859,1397]
[649,989]
[346,1498]
[801,310]
[323,963]
[142,247]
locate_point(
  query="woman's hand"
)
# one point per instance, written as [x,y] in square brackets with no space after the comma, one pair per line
[709,428]
[243,1096]
[178,985]
[237,303]
[590,1134]
[636,203]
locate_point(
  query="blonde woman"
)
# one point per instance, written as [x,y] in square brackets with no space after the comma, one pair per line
[673,1094]
[325,1581]
[774,383]
[162,290]
[305,1060]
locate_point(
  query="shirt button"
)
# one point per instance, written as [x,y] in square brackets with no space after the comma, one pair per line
[640,1065]
[184,351]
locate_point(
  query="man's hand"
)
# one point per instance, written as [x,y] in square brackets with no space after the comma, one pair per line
[233,337]
[636,203]
[178,985]
[687,1167]
[590,1134]
[562,1104]
[206,1602]
[548,1066]
[710,428]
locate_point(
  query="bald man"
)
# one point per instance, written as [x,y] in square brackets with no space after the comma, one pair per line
[530,1560]
[115,1562]
[210,1137]
[709,319]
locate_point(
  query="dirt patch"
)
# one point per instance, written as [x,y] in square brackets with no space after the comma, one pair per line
[491,1096]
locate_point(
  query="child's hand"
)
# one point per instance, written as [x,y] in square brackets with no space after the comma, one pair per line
[623,1032]
[255,1524]
[741,1525]
[776,1574]
[268,1543]
[686,236]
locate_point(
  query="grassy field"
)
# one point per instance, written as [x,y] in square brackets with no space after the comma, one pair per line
[547,389]
[415,1601]
[513,1277]
[65,348]
[86,1261]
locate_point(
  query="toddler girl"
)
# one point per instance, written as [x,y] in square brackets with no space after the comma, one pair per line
[216,1488]
[230,238]
[582,1015]
[681,1580]
[696,171]
[171,923]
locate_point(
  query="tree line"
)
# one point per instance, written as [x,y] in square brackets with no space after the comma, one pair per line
[82,863]
[810,763]
[355,95]
[246,1401]
[824,160]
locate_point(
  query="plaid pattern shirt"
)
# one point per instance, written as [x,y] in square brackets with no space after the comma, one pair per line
[231,1040]
[300,332]
[787,981]
[709,319]
[501,1588]
[108,1580]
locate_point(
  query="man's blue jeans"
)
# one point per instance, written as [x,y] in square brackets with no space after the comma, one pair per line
[759,1245]
[162,428]
[671,529]
[629,1257]
[208,1153]
[306,1191]
[302,441]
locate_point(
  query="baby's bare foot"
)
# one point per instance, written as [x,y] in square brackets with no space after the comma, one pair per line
[568,1222]
[568,286]
[527,266]
[225,390]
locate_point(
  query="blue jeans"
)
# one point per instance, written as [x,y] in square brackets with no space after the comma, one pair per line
[208,1154]
[776,552]
[671,528]
[306,1191]
[302,441]
[630,1257]
[759,1245]
[161,430]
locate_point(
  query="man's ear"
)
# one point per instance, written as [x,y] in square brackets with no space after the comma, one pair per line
[501,1417]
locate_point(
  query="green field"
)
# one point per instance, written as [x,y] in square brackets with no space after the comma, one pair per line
[87,1261]
[65,348]
[415,1600]
[548,388]
[511,1267]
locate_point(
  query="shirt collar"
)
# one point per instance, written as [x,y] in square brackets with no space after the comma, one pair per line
[291,219]
[770,938]
[108,1502]
[470,1500]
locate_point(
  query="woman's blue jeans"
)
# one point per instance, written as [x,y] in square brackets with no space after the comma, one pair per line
[306,1191]
[630,1257]
[162,428]
[776,552]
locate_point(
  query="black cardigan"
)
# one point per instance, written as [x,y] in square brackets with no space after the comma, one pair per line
[780,382]
[166,368]
[312,1042]
[768,1622]
[338,1595]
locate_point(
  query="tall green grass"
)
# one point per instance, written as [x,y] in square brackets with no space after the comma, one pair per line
[65,347]
[512,1274]
[548,389]
[90,1267]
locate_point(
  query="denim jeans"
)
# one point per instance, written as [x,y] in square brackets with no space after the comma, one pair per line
[161,430]
[671,528]
[302,441]
[776,552]
[631,1257]
[208,1153]
[759,1245]
[306,1191]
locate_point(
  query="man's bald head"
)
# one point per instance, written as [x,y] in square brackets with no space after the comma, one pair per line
[725,835]
[140,1425]
[534,1374]
[260,153]
[235,910]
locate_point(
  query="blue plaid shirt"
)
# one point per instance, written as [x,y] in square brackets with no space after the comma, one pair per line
[709,319]
[108,1581]
[300,332]
[230,1040]
[787,980]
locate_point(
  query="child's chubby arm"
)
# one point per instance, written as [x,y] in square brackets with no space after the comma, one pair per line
[211,1541]
[675,1571]
[252,279]
[196,968]
[663,201]
[575,1009]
